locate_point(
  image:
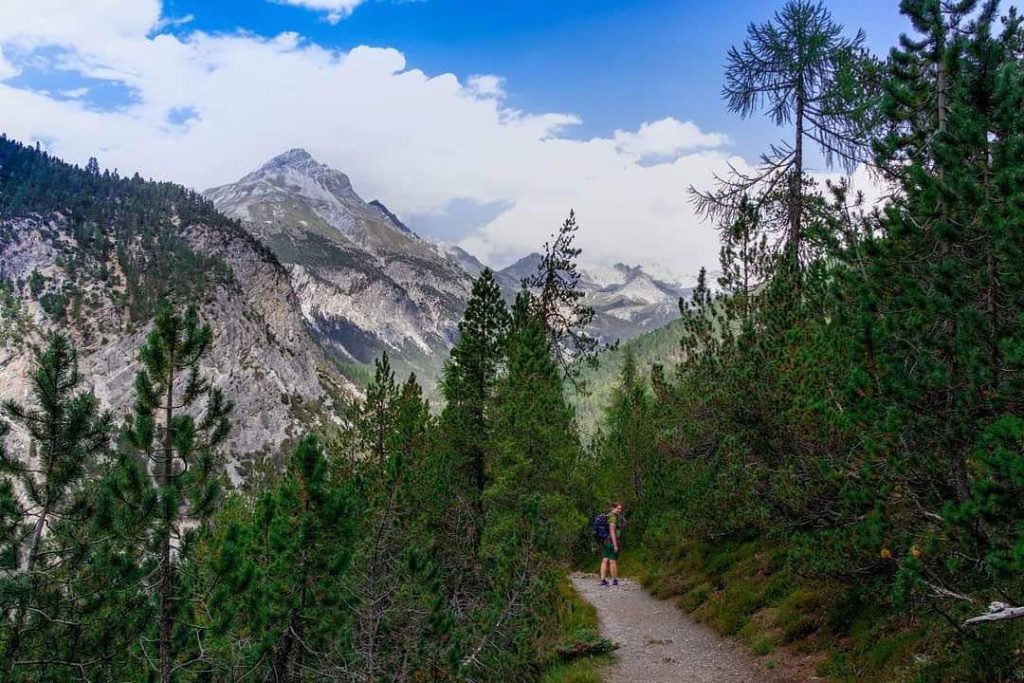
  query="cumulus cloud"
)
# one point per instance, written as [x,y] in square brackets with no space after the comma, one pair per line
[666,138]
[204,109]
[486,85]
[336,9]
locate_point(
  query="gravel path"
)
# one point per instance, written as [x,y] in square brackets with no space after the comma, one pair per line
[660,644]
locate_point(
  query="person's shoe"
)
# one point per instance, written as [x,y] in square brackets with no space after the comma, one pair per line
[615,582]
[604,582]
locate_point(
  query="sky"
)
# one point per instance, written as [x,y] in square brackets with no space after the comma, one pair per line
[480,123]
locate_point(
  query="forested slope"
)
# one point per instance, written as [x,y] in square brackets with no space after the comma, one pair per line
[834,466]
[93,254]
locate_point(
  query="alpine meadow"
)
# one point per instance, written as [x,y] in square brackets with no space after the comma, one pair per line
[270,431]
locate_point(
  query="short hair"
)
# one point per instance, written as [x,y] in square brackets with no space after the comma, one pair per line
[616,504]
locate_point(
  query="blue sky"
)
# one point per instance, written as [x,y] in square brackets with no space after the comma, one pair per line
[480,123]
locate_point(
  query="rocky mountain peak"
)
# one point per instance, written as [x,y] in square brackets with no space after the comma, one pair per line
[304,176]
[293,157]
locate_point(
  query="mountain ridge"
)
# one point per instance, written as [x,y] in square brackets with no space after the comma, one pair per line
[91,255]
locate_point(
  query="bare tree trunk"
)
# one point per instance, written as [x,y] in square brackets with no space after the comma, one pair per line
[166,573]
[37,532]
[797,190]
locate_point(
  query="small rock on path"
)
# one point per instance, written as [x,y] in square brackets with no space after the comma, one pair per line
[660,644]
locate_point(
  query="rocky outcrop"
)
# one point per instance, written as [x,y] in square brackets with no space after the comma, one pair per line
[263,356]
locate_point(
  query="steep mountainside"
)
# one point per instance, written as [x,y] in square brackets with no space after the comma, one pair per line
[91,254]
[365,282]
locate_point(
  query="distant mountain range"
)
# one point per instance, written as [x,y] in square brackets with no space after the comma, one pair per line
[305,289]
[367,283]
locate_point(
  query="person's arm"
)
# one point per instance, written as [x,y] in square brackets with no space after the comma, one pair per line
[615,539]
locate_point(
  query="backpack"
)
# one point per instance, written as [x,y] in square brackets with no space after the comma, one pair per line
[599,526]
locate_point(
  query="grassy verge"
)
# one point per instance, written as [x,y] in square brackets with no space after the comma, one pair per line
[579,651]
[749,591]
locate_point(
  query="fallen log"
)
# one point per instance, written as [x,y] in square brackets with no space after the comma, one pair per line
[997,611]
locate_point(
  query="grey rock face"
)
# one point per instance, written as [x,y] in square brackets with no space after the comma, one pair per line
[365,282]
[263,356]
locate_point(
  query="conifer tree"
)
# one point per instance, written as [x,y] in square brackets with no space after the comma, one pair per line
[531,514]
[630,441]
[182,449]
[11,514]
[745,260]
[933,306]
[285,570]
[558,302]
[402,621]
[469,377]
[377,414]
[804,72]
[68,432]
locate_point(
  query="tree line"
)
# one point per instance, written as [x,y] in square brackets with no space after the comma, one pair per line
[418,547]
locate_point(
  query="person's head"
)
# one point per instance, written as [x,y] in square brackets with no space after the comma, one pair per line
[617,507]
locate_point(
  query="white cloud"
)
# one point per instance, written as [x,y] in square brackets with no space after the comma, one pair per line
[336,9]
[486,85]
[75,93]
[665,138]
[416,141]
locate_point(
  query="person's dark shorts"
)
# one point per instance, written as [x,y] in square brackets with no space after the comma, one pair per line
[609,552]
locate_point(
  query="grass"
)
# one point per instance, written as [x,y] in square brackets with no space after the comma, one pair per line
[579,652]
[748,590]
[581,671]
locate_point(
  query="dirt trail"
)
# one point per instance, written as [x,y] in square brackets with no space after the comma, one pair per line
[660,644]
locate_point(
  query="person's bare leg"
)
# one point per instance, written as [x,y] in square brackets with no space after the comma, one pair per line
[604,568]
[614,564]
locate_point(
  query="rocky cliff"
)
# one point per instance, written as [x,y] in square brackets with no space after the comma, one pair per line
[365,282]
[92,260]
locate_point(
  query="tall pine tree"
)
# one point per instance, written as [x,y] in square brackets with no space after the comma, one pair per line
[182,449]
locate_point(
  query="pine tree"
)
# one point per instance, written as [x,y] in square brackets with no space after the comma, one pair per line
[11,515]
[469,377]
[630,442]
[935,304]
[376,415]
[746,261]
[532,518]
[181,449]
[801,68]
[558,303]
[69,429]
[69,432]
[290,569]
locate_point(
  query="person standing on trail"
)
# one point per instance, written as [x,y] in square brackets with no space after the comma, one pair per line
[610,543]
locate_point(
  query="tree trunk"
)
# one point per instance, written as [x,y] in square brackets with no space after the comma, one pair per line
[797,190]
[166,573]
[278,672]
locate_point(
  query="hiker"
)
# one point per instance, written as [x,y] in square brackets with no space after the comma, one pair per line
[608,528]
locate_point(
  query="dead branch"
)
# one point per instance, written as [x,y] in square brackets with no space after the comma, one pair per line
[997,611]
